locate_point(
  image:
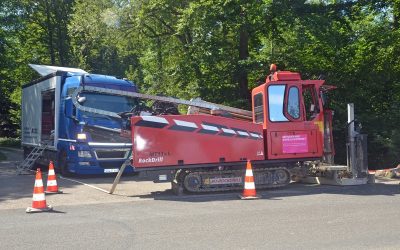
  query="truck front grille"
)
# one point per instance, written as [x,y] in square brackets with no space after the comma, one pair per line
[111,154]
[106,136]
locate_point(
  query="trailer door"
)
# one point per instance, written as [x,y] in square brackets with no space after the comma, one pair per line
[40,105]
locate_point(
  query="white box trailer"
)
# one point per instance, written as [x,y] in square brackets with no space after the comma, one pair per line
[40,105]
[39,102]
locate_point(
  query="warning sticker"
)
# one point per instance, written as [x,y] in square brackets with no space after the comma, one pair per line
[295,144]
[229,180]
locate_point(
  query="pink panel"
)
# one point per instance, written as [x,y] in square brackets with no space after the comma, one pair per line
[295,144]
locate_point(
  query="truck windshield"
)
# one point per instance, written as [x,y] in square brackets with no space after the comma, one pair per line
[110,103]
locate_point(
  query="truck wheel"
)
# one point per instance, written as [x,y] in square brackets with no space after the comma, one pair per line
[62,163]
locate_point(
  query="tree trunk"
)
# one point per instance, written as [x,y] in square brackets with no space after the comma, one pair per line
[61,19]
[50,32]
[160,66]
[243,55]
[396,14]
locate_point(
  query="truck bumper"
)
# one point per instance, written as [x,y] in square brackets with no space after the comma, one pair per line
[95,169]
[93,159]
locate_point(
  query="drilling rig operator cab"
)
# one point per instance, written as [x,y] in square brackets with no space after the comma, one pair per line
[291,112]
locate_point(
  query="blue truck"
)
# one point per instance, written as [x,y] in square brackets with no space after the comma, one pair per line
[80,142]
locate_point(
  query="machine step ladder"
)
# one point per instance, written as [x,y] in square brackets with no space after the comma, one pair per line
[28,162]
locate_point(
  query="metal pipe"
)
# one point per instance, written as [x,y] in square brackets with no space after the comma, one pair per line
[351,140]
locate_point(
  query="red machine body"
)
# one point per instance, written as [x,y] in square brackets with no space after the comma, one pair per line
[289,123]
[176,140]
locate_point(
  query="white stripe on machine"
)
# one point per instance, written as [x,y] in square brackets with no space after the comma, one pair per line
[211,128]
[254,135]
[185,124]
[154,119]
[228,131]
[243,133]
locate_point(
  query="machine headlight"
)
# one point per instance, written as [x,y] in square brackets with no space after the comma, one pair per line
[84,154]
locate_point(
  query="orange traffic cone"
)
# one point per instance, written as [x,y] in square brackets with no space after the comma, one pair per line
[249,191]
[38,199]
[52,187]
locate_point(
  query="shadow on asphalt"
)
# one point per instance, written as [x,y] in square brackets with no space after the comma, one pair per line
[56,212]
[294,189]
[18,187]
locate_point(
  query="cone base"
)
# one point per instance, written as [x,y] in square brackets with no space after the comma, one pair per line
[52,192]
[249,197]
[39,210]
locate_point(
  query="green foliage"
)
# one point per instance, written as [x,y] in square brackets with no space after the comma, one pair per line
[217,50]
[30,32]
[10,142]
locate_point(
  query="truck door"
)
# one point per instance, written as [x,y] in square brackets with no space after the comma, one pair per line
[294,121]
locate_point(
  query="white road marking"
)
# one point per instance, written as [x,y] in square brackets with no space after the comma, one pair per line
[88,185]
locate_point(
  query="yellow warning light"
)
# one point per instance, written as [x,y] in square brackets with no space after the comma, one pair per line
[272,68]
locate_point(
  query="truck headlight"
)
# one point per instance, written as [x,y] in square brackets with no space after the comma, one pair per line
[84,154]
[81,136]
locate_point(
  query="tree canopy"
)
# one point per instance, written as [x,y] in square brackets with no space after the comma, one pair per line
[217,50]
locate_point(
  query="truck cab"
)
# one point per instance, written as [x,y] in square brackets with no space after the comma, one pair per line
[292,114]
[97,145]
[80,142]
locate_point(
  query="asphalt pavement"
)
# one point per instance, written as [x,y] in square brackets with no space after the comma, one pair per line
[144,215]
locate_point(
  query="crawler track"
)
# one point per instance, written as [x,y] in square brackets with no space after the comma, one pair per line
[227,180]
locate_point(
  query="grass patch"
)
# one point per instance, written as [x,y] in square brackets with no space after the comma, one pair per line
[2,157]
[10,142]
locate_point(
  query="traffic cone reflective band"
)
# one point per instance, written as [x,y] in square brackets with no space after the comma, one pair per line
[52,187]
[38,199]
[249,191]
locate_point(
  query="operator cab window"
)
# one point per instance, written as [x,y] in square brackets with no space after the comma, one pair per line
[276,98]
[258,108]
[293,105]
[310,102]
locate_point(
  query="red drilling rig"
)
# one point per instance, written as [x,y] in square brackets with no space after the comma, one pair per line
[287,134]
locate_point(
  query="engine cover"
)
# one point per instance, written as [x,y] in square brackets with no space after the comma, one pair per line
[177,140]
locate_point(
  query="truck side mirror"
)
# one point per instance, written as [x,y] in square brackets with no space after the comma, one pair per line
[81,99]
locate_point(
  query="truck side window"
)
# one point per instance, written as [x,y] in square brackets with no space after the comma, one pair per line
[276,97]
[293,107]
[70,91]
[259,108]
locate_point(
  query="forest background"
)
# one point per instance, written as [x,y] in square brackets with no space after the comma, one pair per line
[217,50]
